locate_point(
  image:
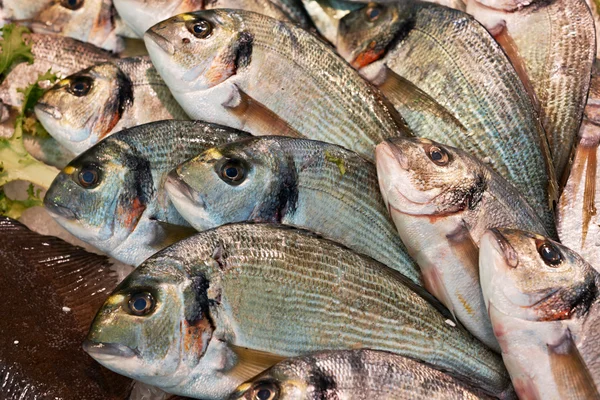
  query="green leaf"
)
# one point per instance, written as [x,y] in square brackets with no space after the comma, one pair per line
[14,208]
[14,48]
[336,160]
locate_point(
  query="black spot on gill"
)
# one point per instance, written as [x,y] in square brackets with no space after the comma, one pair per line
[475,193]
[197,304]
[585,298]
[323,383]
[125,94]
[243,50]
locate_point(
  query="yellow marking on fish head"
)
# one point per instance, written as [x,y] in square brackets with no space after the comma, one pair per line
[68,170]
[115,299]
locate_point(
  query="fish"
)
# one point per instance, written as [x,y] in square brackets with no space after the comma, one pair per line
[140,15]
[112,196]
[442,200]
[62,55]
[313,185]
[266,76]
[214,310]
[552,45]
[90,21]
[576,215]
[11,10]
[542,298]
[86,107]
[454,60]
[51,291]
[326,15]
[354,374]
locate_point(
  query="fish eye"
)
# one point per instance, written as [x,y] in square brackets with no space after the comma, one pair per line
[201,29]
[80,86]
[232,171]
[373,13]
[71,4]
[89,176]
[265,391]
[438,155]
[141,303]
[550,254]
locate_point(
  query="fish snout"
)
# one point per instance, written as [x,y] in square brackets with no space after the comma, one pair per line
[153,39]
[57,210]
[42,109]
[176,187]
[107,350]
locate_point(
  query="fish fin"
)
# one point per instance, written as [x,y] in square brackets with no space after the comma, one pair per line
[414,99]
[435,286]
[570,372]
[255,117]
[81,279]
[252,362]
[171,233]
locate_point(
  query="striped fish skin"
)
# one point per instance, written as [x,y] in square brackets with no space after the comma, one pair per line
[312,185]
[61,54]
[452,58]
[354,374]
[553,46]
[92,104]
[543,301]
[274,290]
[112,196]
[259,74]
[442,200]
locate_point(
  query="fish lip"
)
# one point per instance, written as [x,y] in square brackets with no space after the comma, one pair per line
[160,41]
[48,109]
[505,248]
[180,188]
[106,350]
[58,211]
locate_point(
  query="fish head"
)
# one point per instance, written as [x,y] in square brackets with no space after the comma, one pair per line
[142,14]
[83,108]
[422,177]
[196,51]
[245,180]
[101,195]
[154,327]
[530,277]
[287,380]
[365,34]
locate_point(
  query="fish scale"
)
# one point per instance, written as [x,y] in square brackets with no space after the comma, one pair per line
[290,292]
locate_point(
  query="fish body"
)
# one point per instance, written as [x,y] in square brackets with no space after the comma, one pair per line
[232,301]
[90,21]
[576,218]
[311,185]
[264,76]
[141,15]
[90,105]
[454,60]
[442,200]
[552,45]
[51,291]
[112,195]
[62,55]
[354,374]
[543,302]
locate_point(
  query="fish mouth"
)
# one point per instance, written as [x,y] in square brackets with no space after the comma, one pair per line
[48,109]
[160,41]
[106,351]
[503,246]
[179,189]
[58,211]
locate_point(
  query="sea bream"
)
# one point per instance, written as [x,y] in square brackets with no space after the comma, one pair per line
[442,200]
[543,301]
[86,107]
[112,196]
[308,184]
[253,72]
[213,310]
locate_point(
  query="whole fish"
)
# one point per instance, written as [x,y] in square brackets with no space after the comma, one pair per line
[354,374]
[454,60]
[92,104]
[112,195]
[264,76]
[313,185]
[577,218]
[552,45]
[140,15]
[62,55]
[442,200]
[214,310]
[90,21]
[543,302]
[51,291]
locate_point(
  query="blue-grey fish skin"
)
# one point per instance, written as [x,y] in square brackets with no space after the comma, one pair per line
[125,211]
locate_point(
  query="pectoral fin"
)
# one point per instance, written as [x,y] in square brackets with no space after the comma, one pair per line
[570,372]
[252,362]
[255,117]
